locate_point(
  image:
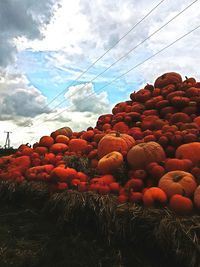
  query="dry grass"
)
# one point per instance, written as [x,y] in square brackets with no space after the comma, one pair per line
[173,237]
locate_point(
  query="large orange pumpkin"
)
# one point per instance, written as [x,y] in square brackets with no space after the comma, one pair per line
[140,155]
[189,151]
[178,182]
[110,162]
[115,141]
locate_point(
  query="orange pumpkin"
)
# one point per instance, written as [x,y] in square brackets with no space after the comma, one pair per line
[62,139]
[189,151]
[110,162]
[58,148]
[46,141]
[42,150]
[115,142]
[178,182]
[140,155]
[77,145]
[168,78]
[153,197]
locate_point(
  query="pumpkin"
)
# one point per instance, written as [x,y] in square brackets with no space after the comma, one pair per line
[154,197]
[178,182]
[77,145]
[197,197]
[180,117]
[140,155]
[168,78]
[180,101]
[27,151]
[39,172]
[197,120]
[142,95]
[189,151]
[174,164]
[181,205]
[121,127]
[62,139]
[115,142]
[42,150]
[62,174]
[46,141]
[88,135]
[64,131]
[110,162]
[58,148]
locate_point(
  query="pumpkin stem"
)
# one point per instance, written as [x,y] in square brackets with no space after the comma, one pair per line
[117,134]
[177,178]
[186,77]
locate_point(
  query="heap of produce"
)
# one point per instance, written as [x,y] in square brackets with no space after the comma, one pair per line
[147,152]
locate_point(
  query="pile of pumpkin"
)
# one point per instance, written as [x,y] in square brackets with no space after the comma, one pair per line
[154,137]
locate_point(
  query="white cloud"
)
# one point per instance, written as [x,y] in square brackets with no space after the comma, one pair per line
[83,98]
[25,19]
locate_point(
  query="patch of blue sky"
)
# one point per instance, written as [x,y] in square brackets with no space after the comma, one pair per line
[52,79]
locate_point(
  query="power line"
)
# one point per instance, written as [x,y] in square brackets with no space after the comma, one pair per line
[126,55]
[137,65]
[130,51]
[106,52]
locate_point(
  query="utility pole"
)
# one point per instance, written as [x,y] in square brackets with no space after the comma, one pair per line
[7,143]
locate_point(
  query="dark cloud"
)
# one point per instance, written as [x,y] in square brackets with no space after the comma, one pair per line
[24,102]
[22,18]
[18,98]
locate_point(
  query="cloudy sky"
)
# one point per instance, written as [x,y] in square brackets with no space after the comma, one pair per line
[48,46]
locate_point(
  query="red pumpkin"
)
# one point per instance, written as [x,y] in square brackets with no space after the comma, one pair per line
[58,148]
[168,78]
[77,145]
[174,164]
[46,141]
[153,197]
[181,205]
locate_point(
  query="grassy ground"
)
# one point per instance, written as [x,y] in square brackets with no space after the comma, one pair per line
[28,239]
